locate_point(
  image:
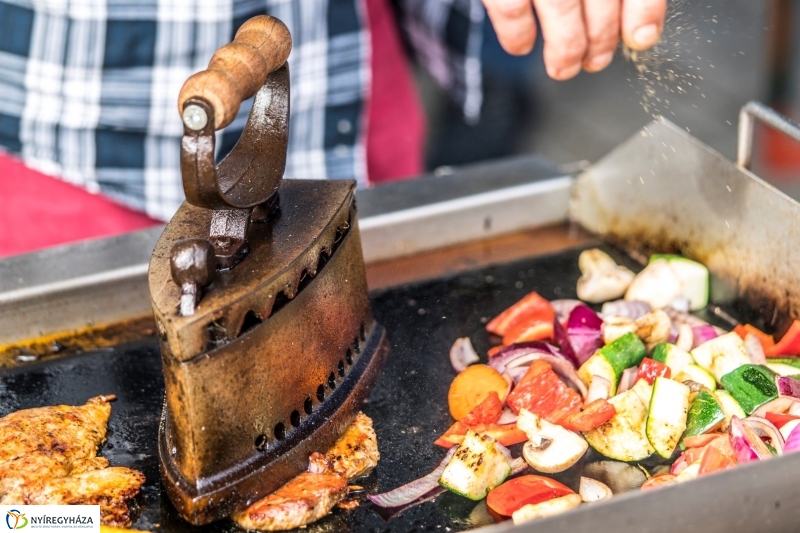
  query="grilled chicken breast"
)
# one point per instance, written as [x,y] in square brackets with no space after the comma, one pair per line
[48,455]
[313,494]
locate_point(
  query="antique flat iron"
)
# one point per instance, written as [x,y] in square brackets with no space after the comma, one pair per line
[259,292]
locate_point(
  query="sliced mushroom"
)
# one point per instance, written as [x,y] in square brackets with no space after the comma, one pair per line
[551,448]
[602,279]
[657,284]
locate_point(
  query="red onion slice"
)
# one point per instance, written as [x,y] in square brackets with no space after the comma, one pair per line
[703,334]
[628,379]
[763,428]
[632,309]
[755,350]
[507,417]
[793,441]
[410,492]
[778,405]
[747,446]
[523,354]
[585,333]
[462,354]
[563,308]
[599,388]
[788,387]
[685,339]
[518,465]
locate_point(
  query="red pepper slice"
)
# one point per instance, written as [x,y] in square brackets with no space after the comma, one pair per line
[766,340]
[520,491]
[718,455]
[649,370]
[487,412]
[789,343]
[779,419]
[542,392]
[661,480]
[594,415]
[529,331]
[531,309]
[507,434]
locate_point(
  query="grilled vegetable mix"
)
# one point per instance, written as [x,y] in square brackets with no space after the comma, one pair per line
[660,396]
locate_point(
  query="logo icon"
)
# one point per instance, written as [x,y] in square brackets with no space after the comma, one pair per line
[16,519]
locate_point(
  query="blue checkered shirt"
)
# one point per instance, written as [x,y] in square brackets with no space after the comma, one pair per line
[88,88]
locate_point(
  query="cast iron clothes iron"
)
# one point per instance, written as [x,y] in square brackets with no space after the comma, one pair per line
[259,291]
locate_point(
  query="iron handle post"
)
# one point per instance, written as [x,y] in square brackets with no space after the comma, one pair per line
[748,115]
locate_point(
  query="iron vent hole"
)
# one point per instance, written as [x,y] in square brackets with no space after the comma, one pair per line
[362,333]
[251,320]
[305,279]
[349,356]
[261,442]
[340,368]
[356,347]
[332,381]
[308,406]
[280,302]
[295,418]
[280,431]
[216,333]
[321,393]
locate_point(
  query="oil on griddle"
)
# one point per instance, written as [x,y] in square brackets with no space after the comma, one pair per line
[408,406]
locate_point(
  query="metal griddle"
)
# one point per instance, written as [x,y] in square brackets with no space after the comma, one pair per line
[640,197]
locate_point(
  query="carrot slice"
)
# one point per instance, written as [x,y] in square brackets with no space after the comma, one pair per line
[472,386]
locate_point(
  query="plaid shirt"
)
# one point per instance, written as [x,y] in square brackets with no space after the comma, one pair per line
[88,88]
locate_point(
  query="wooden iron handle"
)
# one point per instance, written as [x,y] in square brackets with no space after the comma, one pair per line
[238,70]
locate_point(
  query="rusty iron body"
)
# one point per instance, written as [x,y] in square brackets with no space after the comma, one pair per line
[259,292]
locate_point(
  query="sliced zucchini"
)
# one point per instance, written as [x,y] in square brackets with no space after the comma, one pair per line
[722,355]
[597,365]
[644,390]
[623,437]
[697,374]
[666,419]
[791,361]
[751,386]
[477,467]
[672,356]
[705,415]
[730,407]
[611,360]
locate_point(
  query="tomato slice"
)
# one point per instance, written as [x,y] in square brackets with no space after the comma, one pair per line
[649,370]
[698,441]
[718,455]
[531,309]
[780,419]
[520,491]
[487,412]
[594,414]
[542,392]
[507,434]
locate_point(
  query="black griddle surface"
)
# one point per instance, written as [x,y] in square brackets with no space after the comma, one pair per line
[408,406]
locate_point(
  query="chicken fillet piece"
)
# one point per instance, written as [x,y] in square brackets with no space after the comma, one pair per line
[313,494]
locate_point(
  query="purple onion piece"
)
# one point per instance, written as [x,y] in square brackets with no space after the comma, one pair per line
[523,354]
[599,388]
[518,465]
[513,351]
[462,354]
[788,386]
[516,373]
[755,350]
[792,443]
[628,379]
[679,317]
[674,331]
[562,341]
[633,309]
[745,443]
[763,428]
[563,308]
[409,492]
[585,332]
[703,334]
[507,417]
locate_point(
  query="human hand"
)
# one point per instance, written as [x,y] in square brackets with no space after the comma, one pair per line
[578,34]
